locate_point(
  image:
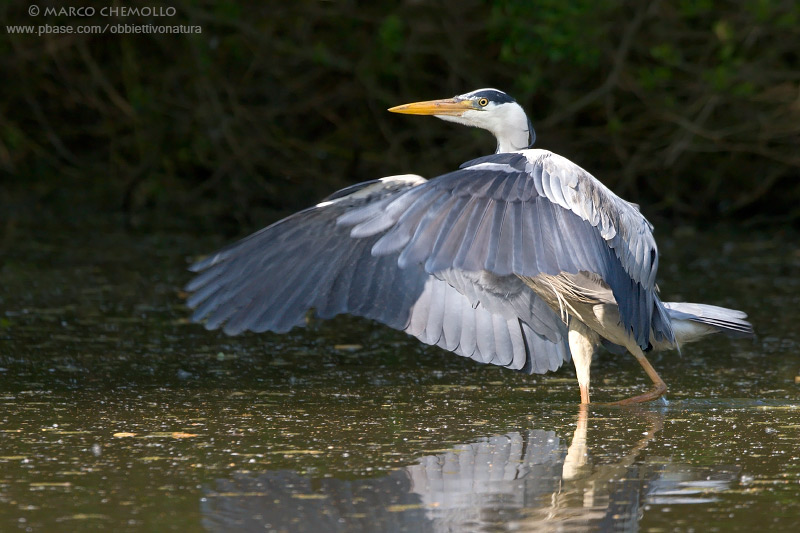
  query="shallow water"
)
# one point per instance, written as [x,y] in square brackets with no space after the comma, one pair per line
[119,414]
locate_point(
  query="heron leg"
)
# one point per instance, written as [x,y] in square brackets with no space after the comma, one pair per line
[582,344]
[659,387]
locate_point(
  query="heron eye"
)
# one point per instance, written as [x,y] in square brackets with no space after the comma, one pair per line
[483,102]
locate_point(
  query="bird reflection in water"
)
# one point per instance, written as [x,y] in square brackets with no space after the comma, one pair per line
[537,475]
[521,481]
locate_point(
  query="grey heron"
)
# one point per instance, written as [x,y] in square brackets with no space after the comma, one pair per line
[520,259]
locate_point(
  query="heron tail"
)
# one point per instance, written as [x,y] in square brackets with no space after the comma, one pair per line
[693,321]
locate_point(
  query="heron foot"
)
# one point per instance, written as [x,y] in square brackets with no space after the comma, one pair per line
[659,390]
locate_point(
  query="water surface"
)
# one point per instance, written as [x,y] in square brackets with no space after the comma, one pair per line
[119,414]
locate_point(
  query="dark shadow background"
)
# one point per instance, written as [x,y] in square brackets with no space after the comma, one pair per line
[691,108]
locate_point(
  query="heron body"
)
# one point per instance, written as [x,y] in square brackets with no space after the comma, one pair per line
[520,259]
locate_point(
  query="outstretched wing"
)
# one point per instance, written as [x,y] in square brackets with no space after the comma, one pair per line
[524,213]
[271,279]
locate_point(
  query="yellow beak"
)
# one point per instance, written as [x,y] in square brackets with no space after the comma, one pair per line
[448,106]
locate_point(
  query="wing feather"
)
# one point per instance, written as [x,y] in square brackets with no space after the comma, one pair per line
[312,260]
[484,335]
[269,280]
[448,245]
[529,213]
[503,347]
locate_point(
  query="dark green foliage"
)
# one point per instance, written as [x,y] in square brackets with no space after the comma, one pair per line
[690,108]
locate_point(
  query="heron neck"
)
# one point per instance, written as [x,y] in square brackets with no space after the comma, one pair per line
[504,145]
[515,134]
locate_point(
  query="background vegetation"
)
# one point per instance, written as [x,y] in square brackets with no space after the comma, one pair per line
[689,107]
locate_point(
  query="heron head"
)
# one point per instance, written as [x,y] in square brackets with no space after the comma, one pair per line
[488,109]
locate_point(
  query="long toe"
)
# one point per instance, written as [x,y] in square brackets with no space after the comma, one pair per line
[659,390]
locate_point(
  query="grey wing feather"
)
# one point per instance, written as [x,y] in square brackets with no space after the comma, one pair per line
[445,317]
[271,279]
[619,222]
[526,214]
